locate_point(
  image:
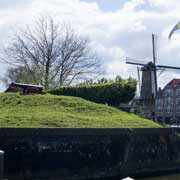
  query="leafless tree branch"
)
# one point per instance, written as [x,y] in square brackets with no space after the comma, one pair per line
[51,54]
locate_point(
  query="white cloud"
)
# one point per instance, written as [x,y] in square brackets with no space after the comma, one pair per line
[115,35]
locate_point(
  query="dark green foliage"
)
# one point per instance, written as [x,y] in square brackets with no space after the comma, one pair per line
[104,81]
[112,93]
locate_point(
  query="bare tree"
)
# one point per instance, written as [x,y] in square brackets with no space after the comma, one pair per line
[52,55]
[18,74]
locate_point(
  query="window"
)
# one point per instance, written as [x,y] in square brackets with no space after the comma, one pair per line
[169,109]
[158,109]
[168,92]
[178,92]
[159,105]
[158,102]
[178,109]
[168,101]
[177,101]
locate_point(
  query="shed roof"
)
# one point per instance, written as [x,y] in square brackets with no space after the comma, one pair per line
[26,85]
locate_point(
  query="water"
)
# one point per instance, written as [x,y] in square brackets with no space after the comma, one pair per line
[170,177]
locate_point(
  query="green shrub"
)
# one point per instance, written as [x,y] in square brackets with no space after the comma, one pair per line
[111,93]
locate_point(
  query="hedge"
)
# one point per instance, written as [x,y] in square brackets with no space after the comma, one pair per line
[110,93]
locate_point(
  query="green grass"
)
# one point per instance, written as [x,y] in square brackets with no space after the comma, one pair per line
[39,111]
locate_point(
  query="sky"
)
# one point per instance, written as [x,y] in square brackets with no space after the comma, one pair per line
[108,5]
[116,28]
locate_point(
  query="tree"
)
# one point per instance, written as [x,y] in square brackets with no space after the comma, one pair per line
[50,54]
[18,74]
[105,80]
[118,79]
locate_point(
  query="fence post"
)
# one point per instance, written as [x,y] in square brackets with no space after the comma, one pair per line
[1,164]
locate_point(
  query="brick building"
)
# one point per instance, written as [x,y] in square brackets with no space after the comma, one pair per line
[167,103]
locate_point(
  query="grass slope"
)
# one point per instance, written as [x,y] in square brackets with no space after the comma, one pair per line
[64,112]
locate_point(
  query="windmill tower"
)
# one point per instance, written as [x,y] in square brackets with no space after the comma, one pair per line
[149,85]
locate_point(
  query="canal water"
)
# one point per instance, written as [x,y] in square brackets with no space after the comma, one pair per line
[170,177]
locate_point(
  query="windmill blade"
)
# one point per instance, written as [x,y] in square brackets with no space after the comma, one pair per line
[168,67]
[161,71]
[154,45]
[139,81]
[135,62]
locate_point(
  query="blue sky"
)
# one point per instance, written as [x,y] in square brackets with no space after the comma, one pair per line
[108,5]
[116,28]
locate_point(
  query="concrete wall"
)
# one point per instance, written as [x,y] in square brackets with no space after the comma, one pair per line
[88,153]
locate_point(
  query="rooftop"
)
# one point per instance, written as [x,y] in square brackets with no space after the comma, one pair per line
[25,85]
[173,83]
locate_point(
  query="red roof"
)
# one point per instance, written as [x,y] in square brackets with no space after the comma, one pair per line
[174,83]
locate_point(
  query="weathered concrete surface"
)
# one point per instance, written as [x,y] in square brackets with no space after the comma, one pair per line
[88,153]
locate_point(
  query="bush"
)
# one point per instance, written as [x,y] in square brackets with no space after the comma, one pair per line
[112,93]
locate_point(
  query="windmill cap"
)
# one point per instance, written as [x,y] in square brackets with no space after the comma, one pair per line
[149,65]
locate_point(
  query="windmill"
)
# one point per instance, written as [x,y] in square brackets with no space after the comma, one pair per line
[149,72]
[149,85]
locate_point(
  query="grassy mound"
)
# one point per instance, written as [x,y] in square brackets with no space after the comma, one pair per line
[65,112]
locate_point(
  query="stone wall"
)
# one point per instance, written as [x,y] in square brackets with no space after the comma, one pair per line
[88,153]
